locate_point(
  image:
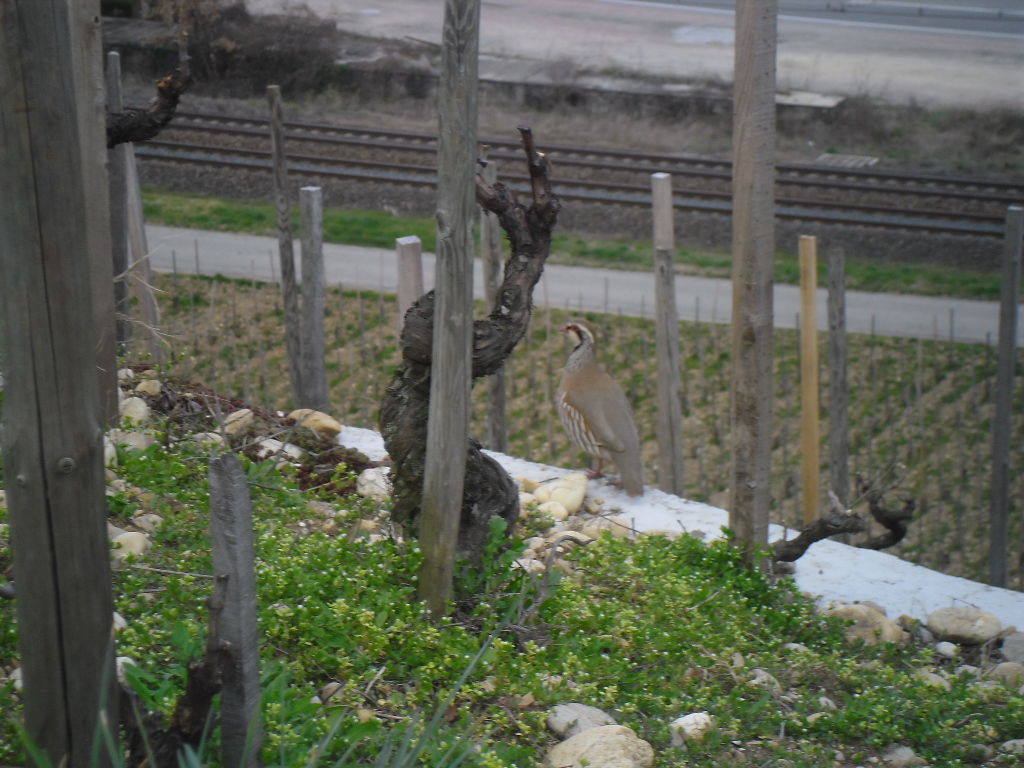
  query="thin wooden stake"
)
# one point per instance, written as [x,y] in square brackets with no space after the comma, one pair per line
[838,396]
[811,461]
[313,379]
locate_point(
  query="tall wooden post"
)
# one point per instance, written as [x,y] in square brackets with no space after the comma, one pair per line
[314,348]
[52,432]
[670,409]
[448,418]
[141,268]
[234,556]
[87,50]
[409,253]
[1002,423]
[753,250]
[282,200]
[118,163]
[490,255]
[809,435]
[838,392]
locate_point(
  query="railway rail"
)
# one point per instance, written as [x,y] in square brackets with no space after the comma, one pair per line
[825,194]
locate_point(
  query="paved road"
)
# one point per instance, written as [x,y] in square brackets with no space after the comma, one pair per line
[844,54]
[235,255]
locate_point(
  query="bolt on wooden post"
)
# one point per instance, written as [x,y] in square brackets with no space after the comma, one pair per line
[670,412]
[314,347]
[1002,423]
[53,435]
[809,376]
[450,378]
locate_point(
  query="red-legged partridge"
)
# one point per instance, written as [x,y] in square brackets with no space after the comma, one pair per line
[595,412]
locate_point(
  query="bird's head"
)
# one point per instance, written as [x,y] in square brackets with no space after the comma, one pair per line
[579,332]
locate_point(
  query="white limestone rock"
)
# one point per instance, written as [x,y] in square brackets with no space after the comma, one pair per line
[148,522]
[318,421]
[270,447]
[932,679]
[1009,672]
[607,746]
[130,543]
[899,756]
[947,650]
[692,727]
[135,410]
[568,720]
[963,624]
[238,421]
[554,509]
[213,438]
[568,490]
[374,483]
[109,452]
[149,388]
[137,440]
[1013,647]
[869,625]
[125,375]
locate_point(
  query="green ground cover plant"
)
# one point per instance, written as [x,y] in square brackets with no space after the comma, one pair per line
[380,228]
[647,630]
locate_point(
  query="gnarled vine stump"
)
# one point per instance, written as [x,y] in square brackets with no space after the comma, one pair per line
[488,489]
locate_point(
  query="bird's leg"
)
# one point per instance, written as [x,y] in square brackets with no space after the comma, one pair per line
[593,474]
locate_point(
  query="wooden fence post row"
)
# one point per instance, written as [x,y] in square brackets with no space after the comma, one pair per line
[670,412]
[53,437]
[490,255]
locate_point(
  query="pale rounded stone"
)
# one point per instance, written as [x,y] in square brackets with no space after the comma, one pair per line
[607,746]
[148,522]
[216,438]
[135,410]
[554,509]
[826,703]
[1009,672]
[692,727]
[899,756]
[947,650]
[130,543]
[149,373]
[113,531]
[270,447]
[931,679]
[329,691]
[125,375]
[963,624]
[118,623]
[137,440]
[1012,747]
[122,662]
[525,499]
[149,388]
[238,421]
[318,421]
[568,490]
[529,564]
[1013,647]
[526,485]
[796,648]
[374,483]
[567,720]
[763,679]
[578,536]
[619,526]
[15,677]
[869,625]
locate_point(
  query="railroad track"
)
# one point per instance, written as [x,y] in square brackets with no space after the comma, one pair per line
[825,194]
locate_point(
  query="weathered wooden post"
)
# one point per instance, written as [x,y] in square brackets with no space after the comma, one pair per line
[1005,371]
[450,378]
[314,348]
[234,555]
[120,250]
[141,269]
[490,255]
[409,252]
[90,93]
[753,247]
[670,411]
[809,435]
[52,435]
[282,200]
[838,392]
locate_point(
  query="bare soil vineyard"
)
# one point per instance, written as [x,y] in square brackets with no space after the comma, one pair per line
[920,409]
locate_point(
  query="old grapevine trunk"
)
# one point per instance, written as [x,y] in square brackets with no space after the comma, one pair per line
[488,489]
